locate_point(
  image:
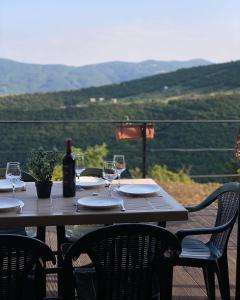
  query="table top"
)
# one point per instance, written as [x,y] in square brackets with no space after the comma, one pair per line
[62,211]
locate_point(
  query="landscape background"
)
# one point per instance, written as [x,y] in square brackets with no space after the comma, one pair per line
[202,93]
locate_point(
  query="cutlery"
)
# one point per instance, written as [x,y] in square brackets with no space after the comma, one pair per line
[19,210]
[78,208]
[123,207]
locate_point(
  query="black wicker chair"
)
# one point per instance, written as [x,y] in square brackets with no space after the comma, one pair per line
[62,237]
[21,269]
[212,256]
[127,258]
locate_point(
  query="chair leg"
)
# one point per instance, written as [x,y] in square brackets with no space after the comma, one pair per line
[166,284]
[41,233]
[210,283]
[162,224]
[40,283]
[223,278]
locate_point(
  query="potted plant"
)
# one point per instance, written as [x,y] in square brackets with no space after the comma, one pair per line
[41,164]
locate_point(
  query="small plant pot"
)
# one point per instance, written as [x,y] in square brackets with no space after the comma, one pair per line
[43,189]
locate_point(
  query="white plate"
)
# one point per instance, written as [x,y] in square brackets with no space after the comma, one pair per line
[6,185]
[10,203]
[88,182]
[139,189]
[99,202]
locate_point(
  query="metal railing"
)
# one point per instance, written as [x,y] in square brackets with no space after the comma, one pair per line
[144,124]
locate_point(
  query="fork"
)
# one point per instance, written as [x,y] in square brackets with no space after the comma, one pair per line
[123,207]
[78,207]
[19,210]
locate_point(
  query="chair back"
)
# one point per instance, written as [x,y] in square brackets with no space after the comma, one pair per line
[2,173]
[27,177]
[126,258]
[97,172]
[24,175]
[227,197]
[18,256]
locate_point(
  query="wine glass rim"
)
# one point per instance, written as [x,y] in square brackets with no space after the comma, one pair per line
[109,162]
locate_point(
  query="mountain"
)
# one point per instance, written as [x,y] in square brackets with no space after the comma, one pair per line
[19,78]
[214,77]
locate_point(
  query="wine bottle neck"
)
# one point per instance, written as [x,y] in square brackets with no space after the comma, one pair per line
[69,147]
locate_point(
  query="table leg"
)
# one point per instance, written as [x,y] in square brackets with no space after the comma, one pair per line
[41,233]
[61,239]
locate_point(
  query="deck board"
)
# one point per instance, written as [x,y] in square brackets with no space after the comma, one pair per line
[188,283]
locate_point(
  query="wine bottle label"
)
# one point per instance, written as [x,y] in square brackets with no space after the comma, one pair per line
[68,180]
[68,173]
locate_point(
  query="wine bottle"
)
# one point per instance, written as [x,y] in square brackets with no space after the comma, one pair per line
[69,179]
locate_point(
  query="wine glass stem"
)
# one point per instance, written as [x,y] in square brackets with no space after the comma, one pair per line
[13,188]
[109,189]
[119,177]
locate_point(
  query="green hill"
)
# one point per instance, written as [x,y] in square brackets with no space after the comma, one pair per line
[210,92]
[18,78]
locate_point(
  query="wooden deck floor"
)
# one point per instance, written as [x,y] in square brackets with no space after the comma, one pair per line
[188,283]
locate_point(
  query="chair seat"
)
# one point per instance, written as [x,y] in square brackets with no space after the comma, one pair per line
[16,230]
[193,248]
[77,231]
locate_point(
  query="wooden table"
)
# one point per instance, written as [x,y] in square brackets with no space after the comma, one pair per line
[62,211]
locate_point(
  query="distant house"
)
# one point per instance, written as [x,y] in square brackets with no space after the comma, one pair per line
[92,100]
[101,99]
[165,88]
[79,105]
[114,100]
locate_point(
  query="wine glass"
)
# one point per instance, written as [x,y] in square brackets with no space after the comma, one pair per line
[79,165]
[109,173]
[120,166]
[13,173]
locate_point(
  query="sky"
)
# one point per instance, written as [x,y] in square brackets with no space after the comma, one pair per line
[81,32]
